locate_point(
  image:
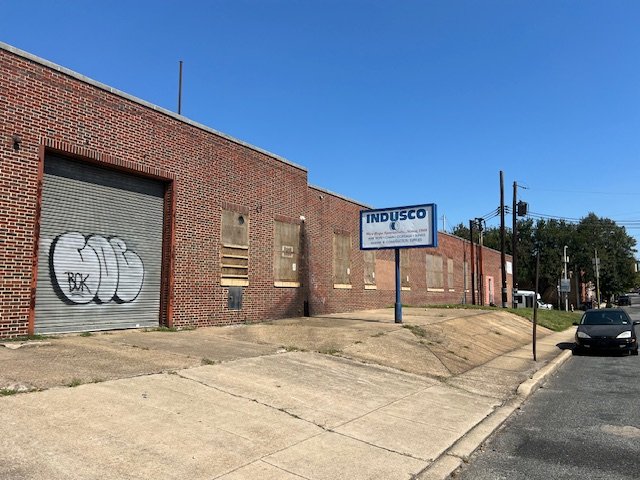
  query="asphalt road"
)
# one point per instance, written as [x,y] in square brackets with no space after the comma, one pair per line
[584,424]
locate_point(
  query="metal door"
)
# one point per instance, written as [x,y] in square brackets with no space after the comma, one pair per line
[100,251]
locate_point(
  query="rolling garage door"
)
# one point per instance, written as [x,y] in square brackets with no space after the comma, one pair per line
[100,252]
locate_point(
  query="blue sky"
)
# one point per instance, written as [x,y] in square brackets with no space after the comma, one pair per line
[388,102]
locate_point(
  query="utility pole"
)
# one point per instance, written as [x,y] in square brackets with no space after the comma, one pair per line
[503,244]
[596,265]
[519,210]
[576,274]
[514,244]
[480,266]
[535,304]
[464,275]
[473,264]
[564,292]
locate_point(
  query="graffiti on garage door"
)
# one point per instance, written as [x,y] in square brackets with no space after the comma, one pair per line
[96,269]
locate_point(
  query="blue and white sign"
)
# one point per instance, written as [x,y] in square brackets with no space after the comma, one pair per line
[401,227]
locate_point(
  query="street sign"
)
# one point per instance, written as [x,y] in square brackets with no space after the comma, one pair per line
[565,285]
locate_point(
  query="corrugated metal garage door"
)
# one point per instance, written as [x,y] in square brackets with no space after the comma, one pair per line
[100,253]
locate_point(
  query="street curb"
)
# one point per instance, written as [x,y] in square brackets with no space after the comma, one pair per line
[527,387]
[460,452]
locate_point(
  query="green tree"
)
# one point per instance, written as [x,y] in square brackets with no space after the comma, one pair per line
[615,248]
[616,251]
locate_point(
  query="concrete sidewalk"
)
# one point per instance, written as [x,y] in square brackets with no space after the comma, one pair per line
[349,396]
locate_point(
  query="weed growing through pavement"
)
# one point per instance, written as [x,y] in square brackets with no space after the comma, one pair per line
[417,330]
[75,382]
[24,338]
[86,334]
[161,329]
[292,348]
[5,392]
[329,351]
[208,361]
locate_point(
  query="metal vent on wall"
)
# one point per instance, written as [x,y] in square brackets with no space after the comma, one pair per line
[235,298]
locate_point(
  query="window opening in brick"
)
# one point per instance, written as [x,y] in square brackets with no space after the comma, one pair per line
[405,265]
[341,260]
[286,261]
[435,275]
[234,258]
[369,257]
[450,277]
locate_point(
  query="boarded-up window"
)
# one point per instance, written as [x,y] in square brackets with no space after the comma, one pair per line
[450,280]
[467,276]
[234,258]
[435,275]
[341,260]
[369,268]
[286,260]
[405,281]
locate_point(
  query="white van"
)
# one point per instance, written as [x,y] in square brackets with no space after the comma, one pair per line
[524,299]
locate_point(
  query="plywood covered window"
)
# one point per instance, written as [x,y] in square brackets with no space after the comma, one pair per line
[369,269]
[405,280]
[286,255]
[341,260]
[234,258]
[435,275]
[467,276]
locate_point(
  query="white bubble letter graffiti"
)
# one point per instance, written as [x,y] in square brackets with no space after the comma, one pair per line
[108,268]
[130,269]
[76,268]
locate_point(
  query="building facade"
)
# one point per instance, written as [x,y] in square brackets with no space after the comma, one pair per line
[115,213]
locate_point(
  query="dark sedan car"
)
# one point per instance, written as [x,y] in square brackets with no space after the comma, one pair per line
[607,329]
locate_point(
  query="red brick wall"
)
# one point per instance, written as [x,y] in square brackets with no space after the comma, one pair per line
[327,213]
[206,171]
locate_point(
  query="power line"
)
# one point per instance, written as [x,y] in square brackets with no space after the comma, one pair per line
[582,192]
[542,216]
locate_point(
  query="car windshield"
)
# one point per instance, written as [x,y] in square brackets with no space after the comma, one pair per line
[605,318]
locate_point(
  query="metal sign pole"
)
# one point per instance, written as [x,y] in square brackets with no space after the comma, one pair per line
[413,226]
[535,305]
[398,305]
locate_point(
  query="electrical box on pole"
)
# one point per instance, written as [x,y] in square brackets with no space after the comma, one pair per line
[522,208]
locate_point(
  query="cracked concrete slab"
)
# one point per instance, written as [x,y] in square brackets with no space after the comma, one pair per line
[254,410]
[399,349]
[205,343]
[75,359]
[350,459]
[159,426]
[322,389]
[262,471]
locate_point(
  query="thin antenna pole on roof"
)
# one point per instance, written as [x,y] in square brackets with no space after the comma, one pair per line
[180,90]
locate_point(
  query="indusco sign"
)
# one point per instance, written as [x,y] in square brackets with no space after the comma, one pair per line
[401,227]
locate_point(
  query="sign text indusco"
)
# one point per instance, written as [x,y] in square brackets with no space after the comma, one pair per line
[396,216]
[400,227]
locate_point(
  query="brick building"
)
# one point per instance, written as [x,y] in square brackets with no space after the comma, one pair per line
[115,213]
